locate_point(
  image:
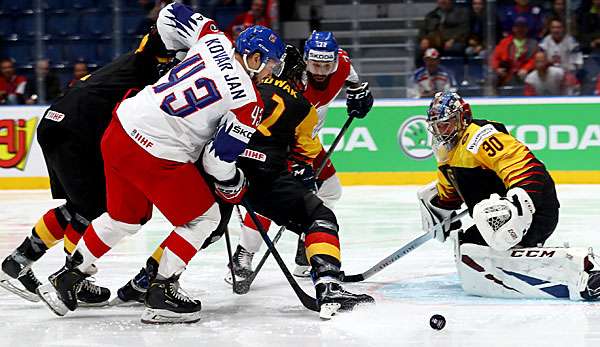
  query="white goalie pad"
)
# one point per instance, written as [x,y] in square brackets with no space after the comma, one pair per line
[532,273]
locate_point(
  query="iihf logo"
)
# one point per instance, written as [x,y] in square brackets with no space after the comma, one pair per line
[414,139]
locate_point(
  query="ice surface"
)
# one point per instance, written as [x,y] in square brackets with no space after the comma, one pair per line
[375,221]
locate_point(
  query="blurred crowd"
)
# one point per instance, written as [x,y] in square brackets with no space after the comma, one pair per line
[537,47]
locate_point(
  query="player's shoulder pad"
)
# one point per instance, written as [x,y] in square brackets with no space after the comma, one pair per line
[477,132]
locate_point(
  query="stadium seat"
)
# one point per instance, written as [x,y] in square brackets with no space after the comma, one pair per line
[131,23]
[20,51]
[105,52]
[54,4]
[225,15]
[84,3]
[456,66]
[475,70]
[16,5]
[81,50]
[62,24]
[96,24]
[7,26]
[54,52]
[25,25]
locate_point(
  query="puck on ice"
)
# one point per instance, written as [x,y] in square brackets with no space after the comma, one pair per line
[437,322]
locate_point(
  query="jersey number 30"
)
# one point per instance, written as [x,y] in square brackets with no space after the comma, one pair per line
[202,86]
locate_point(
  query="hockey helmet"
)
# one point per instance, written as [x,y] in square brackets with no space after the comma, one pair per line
[447,117]
[262,40]
[292,68]
[321,53]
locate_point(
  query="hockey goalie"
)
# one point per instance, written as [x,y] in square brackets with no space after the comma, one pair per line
[512,200]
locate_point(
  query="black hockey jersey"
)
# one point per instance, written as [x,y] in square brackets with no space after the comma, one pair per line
[287,129]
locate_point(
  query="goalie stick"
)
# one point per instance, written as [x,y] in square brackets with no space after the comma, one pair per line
[409,247]
[243,286]
[308,301]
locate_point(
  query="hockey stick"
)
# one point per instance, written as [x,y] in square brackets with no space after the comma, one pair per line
[308,301]
[243,286]
[409,247]
[228,245]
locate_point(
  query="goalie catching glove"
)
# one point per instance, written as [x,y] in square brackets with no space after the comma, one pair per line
[232,191]
[359,100]
[433,216]
[503,221]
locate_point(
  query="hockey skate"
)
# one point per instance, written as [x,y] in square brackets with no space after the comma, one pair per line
[166,303]
[242,266]
[61,293]
[302,268]
[18,278]
[133,292]
[91,295]
[332,298]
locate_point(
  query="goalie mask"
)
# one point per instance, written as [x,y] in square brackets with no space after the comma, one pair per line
[447,117]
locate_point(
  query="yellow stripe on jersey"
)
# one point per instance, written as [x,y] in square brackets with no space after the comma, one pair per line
[307,142]
[69,246]
[158,254]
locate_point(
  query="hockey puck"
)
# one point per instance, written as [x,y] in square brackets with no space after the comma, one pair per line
[437,322]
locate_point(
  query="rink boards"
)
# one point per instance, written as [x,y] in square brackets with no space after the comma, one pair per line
[391,146]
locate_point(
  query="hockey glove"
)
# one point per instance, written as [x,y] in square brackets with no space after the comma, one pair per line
[305,173]
[434,217]
[233,190]
[359,100]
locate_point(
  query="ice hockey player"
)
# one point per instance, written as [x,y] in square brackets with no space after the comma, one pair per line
[512,199]
[206,106]
[69,135]
[329,71]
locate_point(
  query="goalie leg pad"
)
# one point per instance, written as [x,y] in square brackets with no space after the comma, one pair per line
[533,273]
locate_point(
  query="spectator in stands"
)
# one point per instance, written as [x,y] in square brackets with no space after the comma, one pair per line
[477,24]
[445,28]
[514,55]
[257,15]
[589,28]
[558,11]
[50,83]
[12,86]
[80,70]
[521,9]
[548,80]
[562,50]
[151,8]
[432,77]
[597,91]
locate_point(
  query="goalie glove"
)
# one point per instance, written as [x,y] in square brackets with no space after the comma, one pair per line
[434,218]
[359,100]
[232,191]
[503,221]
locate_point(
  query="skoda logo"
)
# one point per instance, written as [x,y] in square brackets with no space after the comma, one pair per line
[414,139]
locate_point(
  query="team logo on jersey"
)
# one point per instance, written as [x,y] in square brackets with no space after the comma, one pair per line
[414,139]
[15,142]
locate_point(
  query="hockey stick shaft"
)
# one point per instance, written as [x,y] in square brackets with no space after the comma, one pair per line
[308,301]
[409,247]
[228,245]
[337,140]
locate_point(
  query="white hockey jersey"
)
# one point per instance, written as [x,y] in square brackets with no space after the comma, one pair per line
[206,97]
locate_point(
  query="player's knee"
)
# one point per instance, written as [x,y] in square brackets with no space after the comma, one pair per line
[200,228]
[105,222]
[330,191]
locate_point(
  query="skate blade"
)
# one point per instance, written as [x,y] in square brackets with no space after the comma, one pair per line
[92,304]
[50,297]
[118,302]
[329,310]
[157,316]
[241,284]
[302,271]
[8,283]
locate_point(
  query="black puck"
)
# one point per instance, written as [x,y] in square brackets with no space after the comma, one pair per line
[437,322]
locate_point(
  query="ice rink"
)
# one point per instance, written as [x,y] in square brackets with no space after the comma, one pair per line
[375,221]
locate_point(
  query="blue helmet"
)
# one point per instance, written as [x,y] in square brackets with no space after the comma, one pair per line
[321,46]
[262,40]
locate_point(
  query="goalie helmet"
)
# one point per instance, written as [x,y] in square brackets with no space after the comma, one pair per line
[447,117]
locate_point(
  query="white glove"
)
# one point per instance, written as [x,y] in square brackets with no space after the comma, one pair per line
[433,217]
[502,222]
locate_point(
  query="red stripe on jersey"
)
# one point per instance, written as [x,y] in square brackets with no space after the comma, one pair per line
[264,221]
[209,27]
[178,245]
[53,225]
[529,182]
[337,81]
[527,174]
[72,234]
[96,246]
[251,113]
[321,237]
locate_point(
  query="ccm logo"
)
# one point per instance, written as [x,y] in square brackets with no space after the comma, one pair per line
[532,253]
[244,132]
